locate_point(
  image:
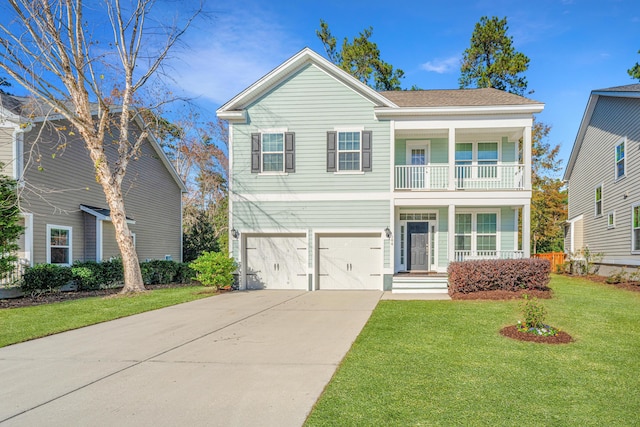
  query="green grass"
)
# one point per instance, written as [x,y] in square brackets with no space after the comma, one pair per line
[23,324]
[444,363]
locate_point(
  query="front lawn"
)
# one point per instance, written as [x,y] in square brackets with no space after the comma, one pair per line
[22,324]
[445,363]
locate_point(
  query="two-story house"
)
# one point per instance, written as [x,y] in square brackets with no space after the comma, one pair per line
[603,175]
[64,209]
[336,186]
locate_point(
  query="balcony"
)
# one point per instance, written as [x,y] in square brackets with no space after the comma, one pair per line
[466,177]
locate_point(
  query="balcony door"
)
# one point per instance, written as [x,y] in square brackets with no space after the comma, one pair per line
[418,159]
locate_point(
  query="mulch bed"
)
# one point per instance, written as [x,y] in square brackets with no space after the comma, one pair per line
[513,332]
[501,295]
[630,286]
[52,297]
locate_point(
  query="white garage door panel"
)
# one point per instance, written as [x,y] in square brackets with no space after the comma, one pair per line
[350,262]
[276,262]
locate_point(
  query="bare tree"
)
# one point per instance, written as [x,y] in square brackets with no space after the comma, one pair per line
[47,47]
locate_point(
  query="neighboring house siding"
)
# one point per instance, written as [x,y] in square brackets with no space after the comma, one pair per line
[67,180]
[6,151]
[310,103]
[612,119]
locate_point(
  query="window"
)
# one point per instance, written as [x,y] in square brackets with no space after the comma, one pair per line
[487,228]
[463,232]
[58,244]
[635,228]
[349,151]
[273,152]
[620,159]
[476,232]
[598,200]
[611,220]
[487,155]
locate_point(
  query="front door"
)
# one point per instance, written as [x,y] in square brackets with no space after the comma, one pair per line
[418,242]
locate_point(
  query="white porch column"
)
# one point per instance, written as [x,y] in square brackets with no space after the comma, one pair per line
[452,159]
[451,230]
[526,141]
[526,230]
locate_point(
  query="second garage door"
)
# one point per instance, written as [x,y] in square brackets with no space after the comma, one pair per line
[277,262]
[350,262]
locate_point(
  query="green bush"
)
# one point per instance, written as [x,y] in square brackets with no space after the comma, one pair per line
[88,275]
[533,312]
[45,278]
[214,269]
[185,273]
[159,272]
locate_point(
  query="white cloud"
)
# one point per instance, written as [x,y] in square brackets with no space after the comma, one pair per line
[442,66]
[233,51]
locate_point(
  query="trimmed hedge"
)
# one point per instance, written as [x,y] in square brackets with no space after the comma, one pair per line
[499,274]
[89,275]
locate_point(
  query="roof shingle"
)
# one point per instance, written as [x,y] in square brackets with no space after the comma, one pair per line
[455,98]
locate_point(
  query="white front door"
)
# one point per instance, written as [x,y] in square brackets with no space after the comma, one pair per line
[276,262]
[350,262]
[418,157]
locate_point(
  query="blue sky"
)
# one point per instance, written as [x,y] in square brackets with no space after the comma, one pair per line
[575,46]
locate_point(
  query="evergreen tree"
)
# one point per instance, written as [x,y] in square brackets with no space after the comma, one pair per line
[10,229]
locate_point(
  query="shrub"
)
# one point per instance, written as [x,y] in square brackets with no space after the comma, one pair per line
[159,272]
[185,273]
[88,275]
[533,312]
[617,277]
[45,278]
[214,269]
[500,274]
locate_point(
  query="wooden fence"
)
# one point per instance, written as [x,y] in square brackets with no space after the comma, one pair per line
[555,258]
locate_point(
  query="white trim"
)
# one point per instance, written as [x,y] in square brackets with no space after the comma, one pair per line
[100,216]
[433,236]
[281,152]
[48,242]
[28,237]
[622,141]
[611,215]
[474,226]
[309,197]
[338,151]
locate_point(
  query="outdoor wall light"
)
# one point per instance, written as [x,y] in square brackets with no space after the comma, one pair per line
[235,233]
[387,233]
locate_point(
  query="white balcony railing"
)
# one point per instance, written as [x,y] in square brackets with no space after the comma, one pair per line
[477,255]
[429,177]
[466,177]
[12,278]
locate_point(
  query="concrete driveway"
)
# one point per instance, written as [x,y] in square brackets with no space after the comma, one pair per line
[238,359]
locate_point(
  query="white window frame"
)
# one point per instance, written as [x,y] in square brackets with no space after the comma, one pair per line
[404,239]
[263,152]
[475,163]
[611,219]
[597,214]
[51,227]
[474,227]
[338,151]
[623,142]
[634,250]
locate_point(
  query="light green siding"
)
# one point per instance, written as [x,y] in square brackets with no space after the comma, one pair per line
[438,150]
[507,226]
[310,103]
[387,252]
[295,216]
[443,237]
[508,151]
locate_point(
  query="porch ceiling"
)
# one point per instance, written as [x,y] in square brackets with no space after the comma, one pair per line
[471,134]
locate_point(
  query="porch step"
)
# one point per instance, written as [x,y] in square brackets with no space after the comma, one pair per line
[419,284]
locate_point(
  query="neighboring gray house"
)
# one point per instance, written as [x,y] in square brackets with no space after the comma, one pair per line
[336,186]
[603,175]
[64,209]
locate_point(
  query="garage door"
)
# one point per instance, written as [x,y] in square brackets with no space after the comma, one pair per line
[350,262]
[277,262]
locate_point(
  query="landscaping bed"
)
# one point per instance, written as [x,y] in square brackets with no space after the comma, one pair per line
[502,295]
[60,296]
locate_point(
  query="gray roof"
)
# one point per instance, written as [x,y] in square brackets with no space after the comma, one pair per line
[626,88]
[455,98]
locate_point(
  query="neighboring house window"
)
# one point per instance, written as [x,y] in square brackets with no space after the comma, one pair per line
[611,220]
[273,152]
[349,151]
[620,159]
[59,244]
[635,228]
[598,200]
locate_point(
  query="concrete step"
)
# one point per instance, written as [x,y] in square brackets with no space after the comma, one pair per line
[420,284]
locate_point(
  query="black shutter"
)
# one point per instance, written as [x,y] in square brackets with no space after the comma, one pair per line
[366,151]
[255,153]
[290,152]
[332,151]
